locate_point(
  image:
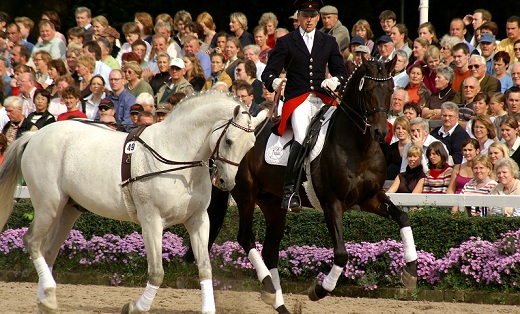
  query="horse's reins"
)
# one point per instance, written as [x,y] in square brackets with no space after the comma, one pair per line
[187,164]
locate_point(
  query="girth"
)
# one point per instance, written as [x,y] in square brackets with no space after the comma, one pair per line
[128,148]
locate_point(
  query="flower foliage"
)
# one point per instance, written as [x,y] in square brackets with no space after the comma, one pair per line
[474,264]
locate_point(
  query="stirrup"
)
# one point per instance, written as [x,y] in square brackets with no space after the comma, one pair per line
[292,203]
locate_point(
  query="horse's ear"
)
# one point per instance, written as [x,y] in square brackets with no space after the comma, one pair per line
[351,66]
[237,111]
[390,65]
[260,117]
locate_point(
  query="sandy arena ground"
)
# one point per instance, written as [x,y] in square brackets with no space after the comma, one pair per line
[20,298]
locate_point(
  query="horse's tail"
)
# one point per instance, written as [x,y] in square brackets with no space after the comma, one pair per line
[217,210]
[10,175]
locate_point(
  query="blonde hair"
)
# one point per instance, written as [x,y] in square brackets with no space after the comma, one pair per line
[133,65]
[87,61]
[414,150]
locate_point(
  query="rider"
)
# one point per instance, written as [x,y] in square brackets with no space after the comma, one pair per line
[305,53]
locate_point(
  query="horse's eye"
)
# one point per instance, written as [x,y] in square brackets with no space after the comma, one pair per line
[229,142]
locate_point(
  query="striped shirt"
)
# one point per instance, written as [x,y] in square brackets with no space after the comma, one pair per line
[471,188]
[437,181]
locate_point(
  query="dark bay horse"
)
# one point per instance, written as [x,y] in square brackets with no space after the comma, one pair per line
[350,170]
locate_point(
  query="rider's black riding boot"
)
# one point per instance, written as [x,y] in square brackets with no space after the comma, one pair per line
[291,199]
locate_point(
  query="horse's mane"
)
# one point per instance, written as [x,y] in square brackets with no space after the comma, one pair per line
[202,97]
[186,106]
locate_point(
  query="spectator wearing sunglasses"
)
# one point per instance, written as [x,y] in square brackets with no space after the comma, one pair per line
[488,84]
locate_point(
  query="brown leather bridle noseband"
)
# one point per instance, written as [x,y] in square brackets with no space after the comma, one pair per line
[215,154]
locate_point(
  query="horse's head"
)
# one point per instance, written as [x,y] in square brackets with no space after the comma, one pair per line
[230,141]
[368,92]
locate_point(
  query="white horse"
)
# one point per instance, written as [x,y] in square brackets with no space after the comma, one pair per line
[70,166]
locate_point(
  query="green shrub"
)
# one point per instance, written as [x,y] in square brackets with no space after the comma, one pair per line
[435,230]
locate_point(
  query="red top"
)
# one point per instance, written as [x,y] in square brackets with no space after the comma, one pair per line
[270,41]
[71,114]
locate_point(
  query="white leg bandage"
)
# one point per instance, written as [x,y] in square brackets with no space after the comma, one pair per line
[329,283]
[276,283]
[208,300]
[145,302]
[258,264]
[410,254]
[44,273]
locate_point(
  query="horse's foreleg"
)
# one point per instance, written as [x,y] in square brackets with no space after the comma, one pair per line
[152,236]
[246,239]
[198,228]
[275,224]
[383,206]
[333,217]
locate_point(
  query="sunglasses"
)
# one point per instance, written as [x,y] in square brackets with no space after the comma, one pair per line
[471,66]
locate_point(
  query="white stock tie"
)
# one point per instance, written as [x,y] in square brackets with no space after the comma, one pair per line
[308,41]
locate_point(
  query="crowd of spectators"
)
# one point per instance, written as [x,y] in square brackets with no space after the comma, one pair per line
[454,112]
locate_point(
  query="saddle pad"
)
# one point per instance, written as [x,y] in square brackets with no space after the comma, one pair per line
[275,154]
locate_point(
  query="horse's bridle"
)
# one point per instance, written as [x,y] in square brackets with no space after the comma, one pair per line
[188,164]
[365,114]
[215,154]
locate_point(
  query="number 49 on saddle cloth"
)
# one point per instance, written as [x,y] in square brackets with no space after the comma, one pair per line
[278,147]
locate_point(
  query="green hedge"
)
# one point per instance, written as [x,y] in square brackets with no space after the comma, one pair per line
[435,230]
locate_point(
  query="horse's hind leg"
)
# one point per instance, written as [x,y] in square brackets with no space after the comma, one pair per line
[275,226]
[246,239]
[152,229]
[383,206]
[198,228]
[46,211]
[58,233]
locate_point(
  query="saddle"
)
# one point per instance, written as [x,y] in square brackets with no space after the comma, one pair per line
[277,148]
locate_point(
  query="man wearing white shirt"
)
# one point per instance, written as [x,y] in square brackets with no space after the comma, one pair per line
[252,52]
[50,43]
[419,131]
[173,50]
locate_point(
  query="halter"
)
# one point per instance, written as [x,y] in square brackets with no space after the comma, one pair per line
[365,113]
[188,164]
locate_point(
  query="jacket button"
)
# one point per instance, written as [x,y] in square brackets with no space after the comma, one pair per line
[310,73]
[310,81]
[311,60]
[312,87]
[310,66]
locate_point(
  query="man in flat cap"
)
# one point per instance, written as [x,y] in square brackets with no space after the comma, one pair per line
[332,26]
[304,53]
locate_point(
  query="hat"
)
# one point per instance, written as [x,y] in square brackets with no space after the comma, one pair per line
[328,9]
[106,103]
[487,38]
[177,62]
[384,39]
[136,108]
[110,31]
[308,6]
[163,108]
[357,40]
[294,16]
[362,48]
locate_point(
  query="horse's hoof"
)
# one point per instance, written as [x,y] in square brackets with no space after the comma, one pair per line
[268,292]
[409,281]
[130,308]
[282,310]
[317,293]
[49,303]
